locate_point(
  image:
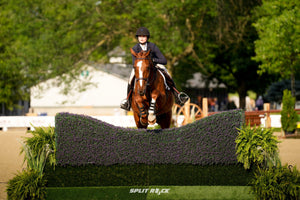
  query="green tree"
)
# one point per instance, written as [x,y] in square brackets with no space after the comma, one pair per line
[40,40]
[234,36]
[289,116]
[278,45]
[176,26]
[45,39]
[224,47]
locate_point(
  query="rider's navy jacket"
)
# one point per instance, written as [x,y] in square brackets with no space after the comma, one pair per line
[155,53]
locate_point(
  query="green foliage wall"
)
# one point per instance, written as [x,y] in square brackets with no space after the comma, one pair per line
[145,175]
[84,140]
[206,158]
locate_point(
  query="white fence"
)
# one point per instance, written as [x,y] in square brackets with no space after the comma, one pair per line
[121,121]
[275,121]
[46,121]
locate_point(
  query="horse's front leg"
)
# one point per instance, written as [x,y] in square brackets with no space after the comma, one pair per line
[138,122]
[151,112]
[143,115]
[152,109]
[142,111]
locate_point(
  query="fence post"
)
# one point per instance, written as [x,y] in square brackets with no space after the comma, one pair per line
[187,113]
[204,107]
[268,118]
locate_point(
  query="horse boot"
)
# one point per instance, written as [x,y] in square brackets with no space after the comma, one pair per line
[126,103]
[180,97]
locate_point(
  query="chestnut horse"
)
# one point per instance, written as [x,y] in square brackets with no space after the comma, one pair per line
[151,101]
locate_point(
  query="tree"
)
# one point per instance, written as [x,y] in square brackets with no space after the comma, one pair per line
[45,39]
[215,39]
[40,40]
[289,116]
[274,92]
[278,45]
[231,48]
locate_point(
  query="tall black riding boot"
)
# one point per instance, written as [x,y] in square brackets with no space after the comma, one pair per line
[180,97]
[126,103]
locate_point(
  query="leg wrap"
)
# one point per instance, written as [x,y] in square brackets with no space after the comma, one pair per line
[152,106]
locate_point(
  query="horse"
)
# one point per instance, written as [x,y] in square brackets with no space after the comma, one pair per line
[152,100]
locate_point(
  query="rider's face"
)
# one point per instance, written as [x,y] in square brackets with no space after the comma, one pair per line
[142,39]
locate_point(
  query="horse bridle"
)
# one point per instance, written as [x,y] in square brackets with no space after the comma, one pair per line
[149,68]
[142,110]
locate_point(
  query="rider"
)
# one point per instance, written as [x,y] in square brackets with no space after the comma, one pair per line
[159,61]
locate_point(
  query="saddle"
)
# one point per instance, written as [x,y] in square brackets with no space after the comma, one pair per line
[167,78]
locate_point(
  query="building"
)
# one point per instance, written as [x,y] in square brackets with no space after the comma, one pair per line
[199,87]
[107,87]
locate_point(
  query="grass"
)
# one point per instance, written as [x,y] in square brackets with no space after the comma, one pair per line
[151,193]
[92,193]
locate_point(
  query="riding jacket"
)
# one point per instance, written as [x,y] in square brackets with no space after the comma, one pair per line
[155,54]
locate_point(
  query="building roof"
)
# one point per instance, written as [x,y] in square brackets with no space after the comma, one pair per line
[199,81]
[119,70]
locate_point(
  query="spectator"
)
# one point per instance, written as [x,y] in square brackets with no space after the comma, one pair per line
[259,103]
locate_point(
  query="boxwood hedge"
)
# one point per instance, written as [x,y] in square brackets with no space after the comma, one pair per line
[94,153]
[84,140]
[146,175]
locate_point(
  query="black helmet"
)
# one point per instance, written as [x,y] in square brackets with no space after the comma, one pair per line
[142,31]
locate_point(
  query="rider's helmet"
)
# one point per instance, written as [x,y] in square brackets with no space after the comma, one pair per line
[142,31]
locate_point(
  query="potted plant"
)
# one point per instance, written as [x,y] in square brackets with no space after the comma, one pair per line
[289,116]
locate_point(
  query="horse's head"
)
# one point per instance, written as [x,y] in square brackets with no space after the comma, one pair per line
[142,69]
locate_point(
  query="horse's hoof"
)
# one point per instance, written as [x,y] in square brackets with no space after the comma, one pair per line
[142,123]
[152,122]
[151,119]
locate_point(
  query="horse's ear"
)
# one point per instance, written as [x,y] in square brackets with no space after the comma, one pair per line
[133,52]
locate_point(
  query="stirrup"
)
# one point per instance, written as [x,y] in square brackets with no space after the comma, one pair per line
[125,104]
[182,98]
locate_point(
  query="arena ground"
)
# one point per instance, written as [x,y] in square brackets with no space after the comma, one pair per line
[11,161]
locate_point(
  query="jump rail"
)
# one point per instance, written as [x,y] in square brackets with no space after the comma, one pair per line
[46,121]
[263,117]
[28,122]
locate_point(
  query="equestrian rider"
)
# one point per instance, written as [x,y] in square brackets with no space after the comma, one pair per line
[159,61]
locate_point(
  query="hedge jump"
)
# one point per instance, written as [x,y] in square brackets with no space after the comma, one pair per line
[84,140]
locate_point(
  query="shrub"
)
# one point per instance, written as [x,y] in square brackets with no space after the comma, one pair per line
[28,184]
[42,136]
[289,116]
[36,162]
[278,182]
[256,146]
[84,140]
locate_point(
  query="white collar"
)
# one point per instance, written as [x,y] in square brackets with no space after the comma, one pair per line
[144,47]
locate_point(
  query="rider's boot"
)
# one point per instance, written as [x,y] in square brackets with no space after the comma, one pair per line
[180,97]
[126,103]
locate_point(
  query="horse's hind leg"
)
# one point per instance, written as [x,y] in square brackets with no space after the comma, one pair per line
[164,120]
